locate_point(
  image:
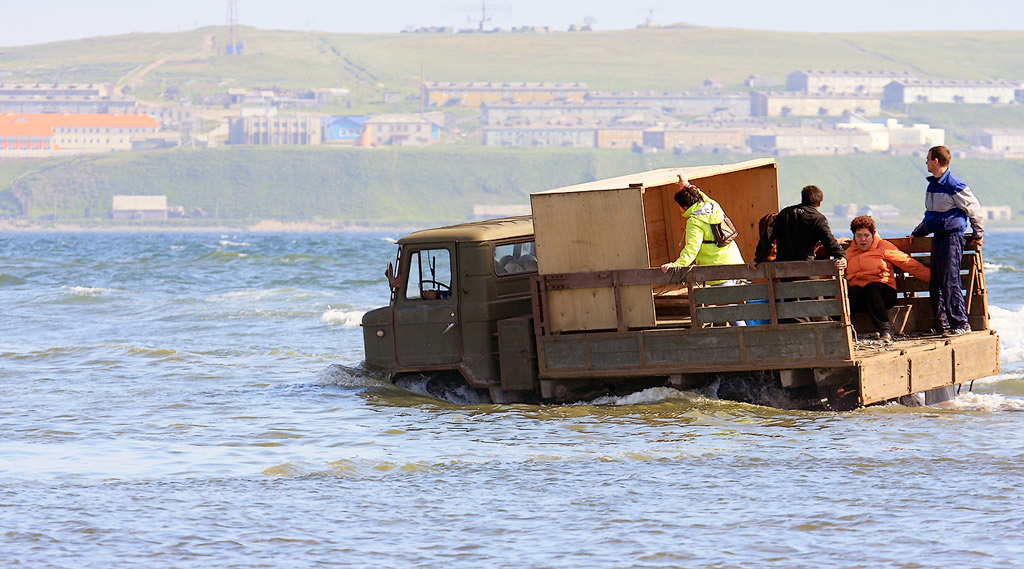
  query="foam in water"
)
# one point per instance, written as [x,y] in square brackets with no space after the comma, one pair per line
[84,291]
[345,376]
[971,401]
[1010,325]
[443,387]
[644,397]
[339,317]
[991,268]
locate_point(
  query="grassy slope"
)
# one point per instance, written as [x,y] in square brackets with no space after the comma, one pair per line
[672,59]
[435,185]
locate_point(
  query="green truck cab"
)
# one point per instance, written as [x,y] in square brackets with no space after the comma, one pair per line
[450,287]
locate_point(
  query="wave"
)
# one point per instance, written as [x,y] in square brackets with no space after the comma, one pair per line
[221,255]
[443,386]
[775,397]
[1010,325]
[80,295]
[990,402]
[84,291]
[991,268]
[643,397]
[339,317]
[346,376]
[354,468]
[225,242]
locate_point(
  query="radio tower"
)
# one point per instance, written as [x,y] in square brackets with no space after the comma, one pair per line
[233,48]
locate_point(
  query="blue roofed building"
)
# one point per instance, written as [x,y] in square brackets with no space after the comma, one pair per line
[343,129]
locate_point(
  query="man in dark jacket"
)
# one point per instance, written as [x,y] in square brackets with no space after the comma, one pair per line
[949,203]
[797,230]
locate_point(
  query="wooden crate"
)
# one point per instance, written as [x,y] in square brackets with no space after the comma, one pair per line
[632,222]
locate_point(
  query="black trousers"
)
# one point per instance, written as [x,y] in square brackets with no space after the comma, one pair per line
[876,299]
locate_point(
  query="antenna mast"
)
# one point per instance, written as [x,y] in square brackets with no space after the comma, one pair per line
[233,47]
[483,16]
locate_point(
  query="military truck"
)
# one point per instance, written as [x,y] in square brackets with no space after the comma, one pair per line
[570,303]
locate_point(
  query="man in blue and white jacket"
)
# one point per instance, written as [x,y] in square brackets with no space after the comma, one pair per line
[949,203]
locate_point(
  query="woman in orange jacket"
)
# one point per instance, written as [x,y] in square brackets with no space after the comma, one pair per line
[870,276]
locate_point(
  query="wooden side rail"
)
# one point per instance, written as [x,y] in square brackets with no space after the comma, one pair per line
[780,293]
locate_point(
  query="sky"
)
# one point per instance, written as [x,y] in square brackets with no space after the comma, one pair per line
[42,21]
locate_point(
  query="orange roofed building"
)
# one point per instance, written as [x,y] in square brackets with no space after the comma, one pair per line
[46,134]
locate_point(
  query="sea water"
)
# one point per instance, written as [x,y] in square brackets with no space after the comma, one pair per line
[198,400]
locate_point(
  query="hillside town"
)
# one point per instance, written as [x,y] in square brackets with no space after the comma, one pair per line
[811,112]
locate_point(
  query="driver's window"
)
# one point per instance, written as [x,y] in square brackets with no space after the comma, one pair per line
[430,275]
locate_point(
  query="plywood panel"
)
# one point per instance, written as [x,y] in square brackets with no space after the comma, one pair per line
[745,195]
[656,214]
[593,231]
[673,226]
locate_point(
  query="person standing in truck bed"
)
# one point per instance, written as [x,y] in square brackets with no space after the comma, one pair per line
[797,230]
[948,203]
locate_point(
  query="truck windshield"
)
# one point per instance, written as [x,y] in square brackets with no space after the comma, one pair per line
[515,258]
[430,275]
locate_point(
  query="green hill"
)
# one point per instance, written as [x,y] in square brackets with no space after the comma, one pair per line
[667,59]
[430,185]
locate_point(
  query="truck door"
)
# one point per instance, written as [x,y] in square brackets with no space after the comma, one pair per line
[427,326]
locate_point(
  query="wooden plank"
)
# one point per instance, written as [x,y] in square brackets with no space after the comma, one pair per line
[797,269]
[900,318]
[704,273]
[591,231]
[884,378]
[931,368]
[978,315]
[809,308]
[616,352]
[796,343]
[922,244]
[914,285]
[691,349]
[975,355]
[725,294]
[732,313]
[807,289]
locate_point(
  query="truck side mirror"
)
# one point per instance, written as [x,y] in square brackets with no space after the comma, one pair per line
[391,276]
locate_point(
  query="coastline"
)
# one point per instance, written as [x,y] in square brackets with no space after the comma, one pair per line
[270,226]
[262,226]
